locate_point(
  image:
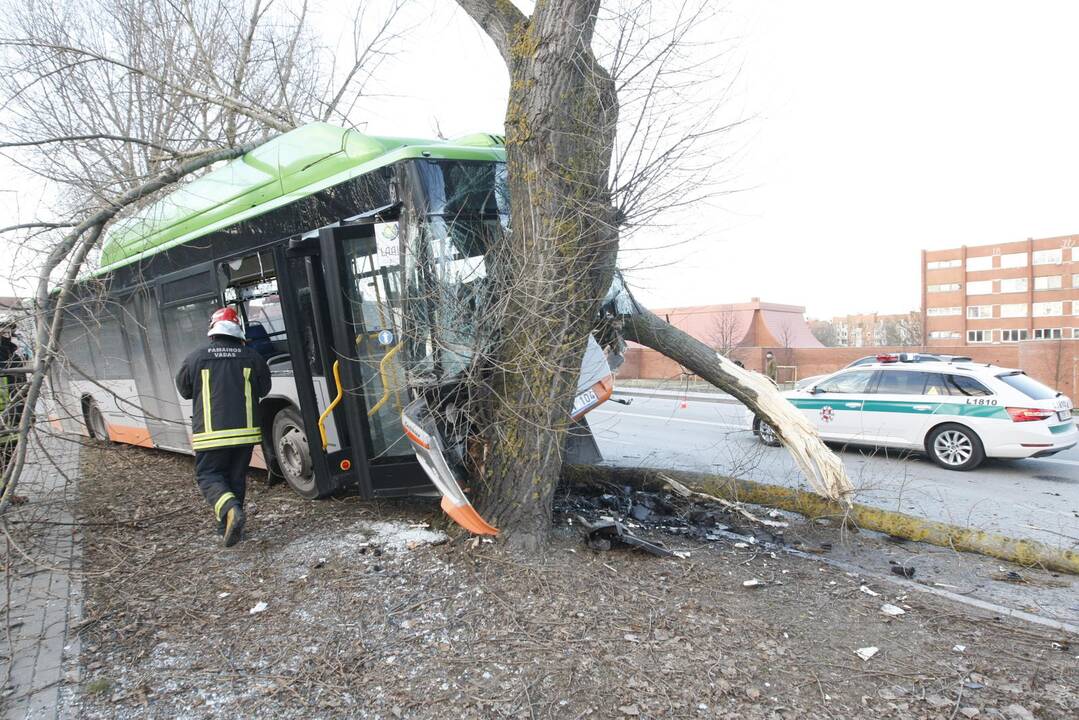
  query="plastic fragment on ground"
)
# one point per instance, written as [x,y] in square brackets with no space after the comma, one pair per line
[867,652]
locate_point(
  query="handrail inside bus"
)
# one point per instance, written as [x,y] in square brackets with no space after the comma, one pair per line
[332,405]
[385,378]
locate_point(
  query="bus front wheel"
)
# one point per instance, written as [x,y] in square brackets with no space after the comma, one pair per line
[293,453]
[95,422]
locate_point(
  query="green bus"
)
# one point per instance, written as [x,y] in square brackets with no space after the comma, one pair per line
[357,266]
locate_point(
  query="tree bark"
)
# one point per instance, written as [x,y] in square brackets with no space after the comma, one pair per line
[558,260]
[822,468]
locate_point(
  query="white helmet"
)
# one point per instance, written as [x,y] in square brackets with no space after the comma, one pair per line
[226,322]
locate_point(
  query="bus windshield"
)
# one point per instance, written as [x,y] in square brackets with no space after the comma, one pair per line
[462,209]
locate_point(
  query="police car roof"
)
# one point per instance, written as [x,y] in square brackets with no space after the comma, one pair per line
[943,366]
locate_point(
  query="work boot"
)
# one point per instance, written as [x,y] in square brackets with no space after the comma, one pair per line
[234,525]
[221,528]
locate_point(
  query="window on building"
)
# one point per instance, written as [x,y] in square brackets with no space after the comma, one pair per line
[1048,309]
[1013,310]
[943,311]
[976,312]
[1048,257]
[979,336]
[944,287]
[1013,285]
[984,262]
[980,287]
[943,335]
[1013,260]
[1013,335]
[1047,282]
[1048,333]
[942,264]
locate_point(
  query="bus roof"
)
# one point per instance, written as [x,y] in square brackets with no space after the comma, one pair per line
[289,167]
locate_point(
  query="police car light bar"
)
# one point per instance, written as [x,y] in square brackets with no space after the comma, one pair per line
[887,358]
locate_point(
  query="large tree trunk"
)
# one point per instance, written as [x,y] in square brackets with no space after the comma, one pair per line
[558,260]
[819,464]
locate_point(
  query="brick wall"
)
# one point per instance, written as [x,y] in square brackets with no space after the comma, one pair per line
[1053,362]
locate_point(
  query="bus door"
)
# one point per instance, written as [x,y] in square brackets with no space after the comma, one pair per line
[329,295]
[364,261]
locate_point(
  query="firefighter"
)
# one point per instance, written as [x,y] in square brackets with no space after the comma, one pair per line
[225,381]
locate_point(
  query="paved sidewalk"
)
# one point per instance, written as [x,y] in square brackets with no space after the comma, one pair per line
[46,594]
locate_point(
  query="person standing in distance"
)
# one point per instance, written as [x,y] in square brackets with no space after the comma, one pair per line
[770,367]
[225,381]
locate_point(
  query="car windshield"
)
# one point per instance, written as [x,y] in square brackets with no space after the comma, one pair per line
[1028,385]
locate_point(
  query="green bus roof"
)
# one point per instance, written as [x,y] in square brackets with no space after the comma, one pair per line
[289,167]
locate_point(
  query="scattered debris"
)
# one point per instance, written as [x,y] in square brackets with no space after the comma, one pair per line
[867,652]
[681,490]
[959,648]
[1010,576]
[906,571]
[752,583]
[260,606]
[867,591]
[602,534]
[893,610]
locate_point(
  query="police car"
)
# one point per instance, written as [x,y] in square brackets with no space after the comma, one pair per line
[959,413]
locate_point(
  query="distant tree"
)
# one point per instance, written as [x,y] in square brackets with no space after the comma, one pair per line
[825,332]
[725,335]
[905,330]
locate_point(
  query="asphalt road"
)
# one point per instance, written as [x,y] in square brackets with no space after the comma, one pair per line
[1038,499]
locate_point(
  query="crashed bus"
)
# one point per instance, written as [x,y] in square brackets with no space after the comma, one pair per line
[356,264]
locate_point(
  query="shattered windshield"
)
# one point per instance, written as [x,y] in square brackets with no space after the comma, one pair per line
[462,209]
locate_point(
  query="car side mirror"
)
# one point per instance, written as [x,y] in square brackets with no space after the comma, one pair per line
[815,390]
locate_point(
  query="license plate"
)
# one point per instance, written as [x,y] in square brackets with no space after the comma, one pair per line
[1064,414]
[584,400]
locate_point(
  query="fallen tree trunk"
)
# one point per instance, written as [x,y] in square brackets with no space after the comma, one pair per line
[819,464]
[1028,553]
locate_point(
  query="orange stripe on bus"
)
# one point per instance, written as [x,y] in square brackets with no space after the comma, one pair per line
[130,435]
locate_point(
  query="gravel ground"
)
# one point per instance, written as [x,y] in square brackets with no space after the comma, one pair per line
[381,610]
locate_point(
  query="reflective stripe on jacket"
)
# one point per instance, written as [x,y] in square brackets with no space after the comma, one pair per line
[224,381]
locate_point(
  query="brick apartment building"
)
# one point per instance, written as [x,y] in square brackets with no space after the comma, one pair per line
[1004,293]
[874,329]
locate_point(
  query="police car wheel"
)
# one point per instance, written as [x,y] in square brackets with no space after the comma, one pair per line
[293,453]
[955,447]
[765,432]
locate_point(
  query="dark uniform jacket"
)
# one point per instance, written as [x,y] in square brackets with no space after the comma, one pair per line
[225,381]
[11,405]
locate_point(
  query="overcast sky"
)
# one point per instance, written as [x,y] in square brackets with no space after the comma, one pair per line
[874,130]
